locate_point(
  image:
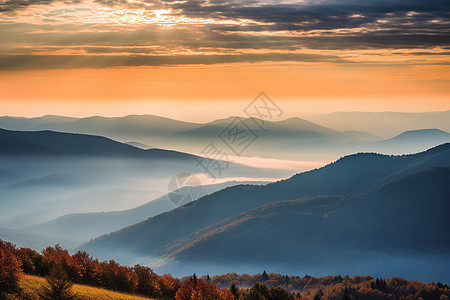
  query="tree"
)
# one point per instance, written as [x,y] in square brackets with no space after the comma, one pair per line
[10,271]
[147,281]
[58,286]
[277,293]
[257,292]
[31,260]
[58,255]
[318,295]
[262,292]
[167,286]
[235,291]
[346,294]
[88,268]
[264,276]
[117,277]
[198,289]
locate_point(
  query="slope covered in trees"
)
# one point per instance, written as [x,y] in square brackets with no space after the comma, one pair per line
[408,215]
[367,200]
[79,276]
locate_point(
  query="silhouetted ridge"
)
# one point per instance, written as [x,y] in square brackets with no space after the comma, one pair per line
[51,143]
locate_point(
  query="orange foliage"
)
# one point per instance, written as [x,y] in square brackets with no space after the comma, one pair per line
[10,271]
[197,289]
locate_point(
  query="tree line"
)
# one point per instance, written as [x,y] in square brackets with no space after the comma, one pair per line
[338,287]
[63,269]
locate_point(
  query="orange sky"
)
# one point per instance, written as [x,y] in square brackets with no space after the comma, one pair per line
[222,89]
[200,62]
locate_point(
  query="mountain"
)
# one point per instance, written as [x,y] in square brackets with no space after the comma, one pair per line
[193,137]
[383,123]
[409,213]
[21,123]
[348,177]
[293,138]
[35,241]
[47,174]
[86,202]
[139,145]
[295,124]
[411,141]
[84,226]
[58,143]
[431,135]
[125,125]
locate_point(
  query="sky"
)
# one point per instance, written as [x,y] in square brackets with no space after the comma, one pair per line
[203,59]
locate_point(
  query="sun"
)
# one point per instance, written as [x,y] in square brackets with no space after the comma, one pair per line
[161,15]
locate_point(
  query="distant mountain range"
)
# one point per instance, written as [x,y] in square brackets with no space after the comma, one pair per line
[390,206]
[326,138]
[35,241]
[384,124]
[366,207]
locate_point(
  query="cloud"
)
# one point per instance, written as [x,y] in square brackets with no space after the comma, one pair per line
[223,30]
[27,62]
[13,5]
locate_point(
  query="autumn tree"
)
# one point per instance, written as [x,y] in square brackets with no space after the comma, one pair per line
[57,255]
[31,260]
[167,286]
[88,268]
[147,281]
[10,271]
[117,277]
[198,289]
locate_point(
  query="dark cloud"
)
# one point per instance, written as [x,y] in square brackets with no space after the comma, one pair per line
[211,38]
[313,15]
[318,25]
[27,62]
[400,22]
[318,15]
[10,6]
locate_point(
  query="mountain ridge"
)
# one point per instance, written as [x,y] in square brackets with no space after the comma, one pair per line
[148,237]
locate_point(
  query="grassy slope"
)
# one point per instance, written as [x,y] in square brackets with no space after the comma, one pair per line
[32,284]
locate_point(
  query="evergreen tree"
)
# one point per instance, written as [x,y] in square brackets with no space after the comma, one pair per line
[58,286]
[346,295]
[194,279]
[235,291]
[264,276]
